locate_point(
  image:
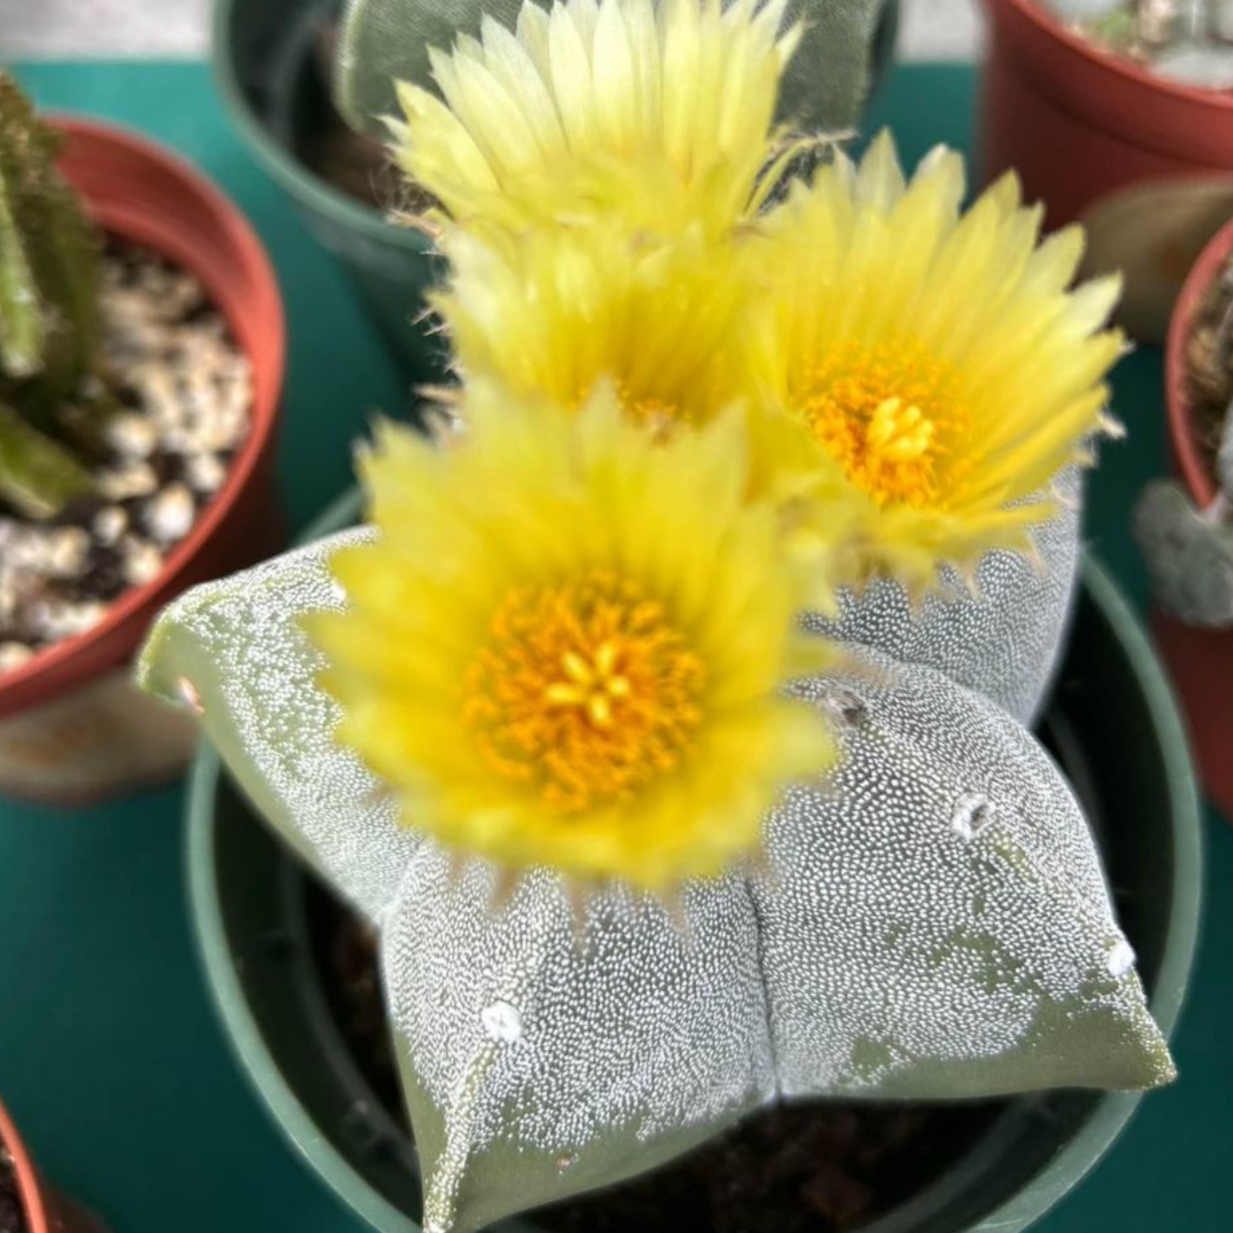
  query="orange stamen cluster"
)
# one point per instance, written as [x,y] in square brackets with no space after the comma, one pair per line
[888,414]
[586,692]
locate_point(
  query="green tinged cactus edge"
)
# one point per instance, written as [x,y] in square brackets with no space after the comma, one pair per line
[49,317]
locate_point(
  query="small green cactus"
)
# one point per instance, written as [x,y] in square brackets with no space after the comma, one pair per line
[1189,552]
[51,391]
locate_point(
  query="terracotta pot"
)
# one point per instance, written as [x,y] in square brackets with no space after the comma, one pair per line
[45,1211]
[1096,137]
[1200,660]
[70,727]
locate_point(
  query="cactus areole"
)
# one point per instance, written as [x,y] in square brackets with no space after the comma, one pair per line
[138,193]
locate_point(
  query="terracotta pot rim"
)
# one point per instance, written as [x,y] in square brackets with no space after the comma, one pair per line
[1049,25]
[19,686]
[1187,457]
[28,1189]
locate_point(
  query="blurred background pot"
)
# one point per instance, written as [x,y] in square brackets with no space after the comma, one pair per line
[43,1209]
[1111,725]
[1200,660]
[72,727]
[1144,162]
[271,63]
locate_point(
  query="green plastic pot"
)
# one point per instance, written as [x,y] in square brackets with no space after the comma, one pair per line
[1112,726]
[267,70]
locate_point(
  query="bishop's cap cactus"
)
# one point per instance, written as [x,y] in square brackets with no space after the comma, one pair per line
[644,855]
[932,922]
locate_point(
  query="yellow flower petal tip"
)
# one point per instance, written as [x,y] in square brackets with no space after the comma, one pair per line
[938,356]
[658,113]
[567,645]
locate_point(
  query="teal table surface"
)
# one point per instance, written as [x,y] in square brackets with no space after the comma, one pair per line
[111,1058]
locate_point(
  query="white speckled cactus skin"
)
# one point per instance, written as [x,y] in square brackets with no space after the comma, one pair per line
[253,672]
[1189,551]
[1002,640]
[931,923]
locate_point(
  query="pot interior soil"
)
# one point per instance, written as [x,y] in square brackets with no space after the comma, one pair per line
[808,1168]
[1209,363]
[12,1213]
[184,393]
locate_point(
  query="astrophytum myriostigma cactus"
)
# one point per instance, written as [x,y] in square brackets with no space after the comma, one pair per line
[540,723]
[932,923]
[1189,552]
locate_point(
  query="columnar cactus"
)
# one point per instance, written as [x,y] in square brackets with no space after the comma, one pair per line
[1189,552]
[643,852]
[49,318]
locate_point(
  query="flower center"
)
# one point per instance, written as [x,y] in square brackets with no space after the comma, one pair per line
[586,692]
[887,413]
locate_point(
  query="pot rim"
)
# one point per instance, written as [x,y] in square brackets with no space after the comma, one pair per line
[19,687]
[29,1190]
[288,171]
[1076,1157]
[1195,472]
[1050,26]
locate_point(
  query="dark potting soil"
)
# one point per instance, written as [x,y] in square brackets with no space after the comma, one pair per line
[182,390]
[807,1168]
[12,1214]
[1209,363]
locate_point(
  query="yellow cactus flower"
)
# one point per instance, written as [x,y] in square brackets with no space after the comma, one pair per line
[551,312]
[936,355]
[660,114]
[567,644]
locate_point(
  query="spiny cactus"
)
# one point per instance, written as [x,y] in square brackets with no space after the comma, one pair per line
[934,925]
[50,392]
[1189,552]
